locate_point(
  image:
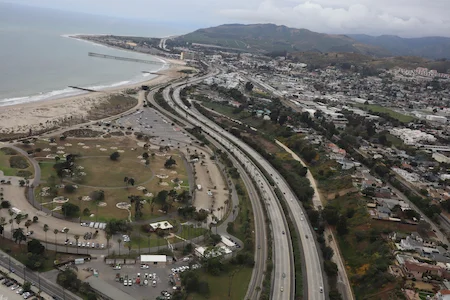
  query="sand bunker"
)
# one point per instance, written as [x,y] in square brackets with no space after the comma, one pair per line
[81,144]
[149,195]
[86,147]
[86,198]
[102,204]
[121,151]
[162,176]
[60,199]
[164,183]
[140,188]
[123,205]
[103,149]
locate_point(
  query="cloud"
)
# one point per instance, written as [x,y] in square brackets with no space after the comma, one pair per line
[406,18]
[402,17]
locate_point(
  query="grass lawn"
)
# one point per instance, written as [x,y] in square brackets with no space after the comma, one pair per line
[395,140]
[189,232]
[8,170]
[19,252]
[225,110]
[219,285]
[104,174]
[380,109]
[4,165]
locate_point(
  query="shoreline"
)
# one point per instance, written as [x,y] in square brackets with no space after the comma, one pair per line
[70,92]
[46,114]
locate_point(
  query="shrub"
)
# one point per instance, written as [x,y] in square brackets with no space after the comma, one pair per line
[114,156]
[69,189]
[18,162]
[24,173]
[5,204]
[8,151]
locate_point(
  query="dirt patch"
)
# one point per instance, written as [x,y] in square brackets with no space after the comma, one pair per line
[394,226]
[341,193]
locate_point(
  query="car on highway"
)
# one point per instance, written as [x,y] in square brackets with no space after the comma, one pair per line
[283,232]
[130,282]
[321,289]
[281,289]
[63,230]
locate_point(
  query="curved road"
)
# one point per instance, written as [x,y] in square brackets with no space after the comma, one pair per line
[283,254]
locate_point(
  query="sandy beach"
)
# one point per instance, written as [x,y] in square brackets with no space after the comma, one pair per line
[47,114]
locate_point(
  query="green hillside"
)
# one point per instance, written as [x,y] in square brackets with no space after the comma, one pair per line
[270,37]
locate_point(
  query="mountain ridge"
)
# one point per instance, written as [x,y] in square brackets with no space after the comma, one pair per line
[269,37]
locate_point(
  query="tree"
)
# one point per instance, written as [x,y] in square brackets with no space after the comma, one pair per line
[331,215]
[46,228]
[5,204]
[35,219]
[55,231]
[120,242]
[145,155]
[34,246]
[34,261]
[248,86]
[66,231]
[98,195]
[341,226]
[77,237]
[169,163]
[131,181]
[70,210]
[330,268]
[26,286]
[161,197]
[28,224]
[114,156]
[69,188]
[19,236]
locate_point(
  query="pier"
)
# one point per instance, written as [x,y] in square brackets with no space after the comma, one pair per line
[83,89]
[93,54]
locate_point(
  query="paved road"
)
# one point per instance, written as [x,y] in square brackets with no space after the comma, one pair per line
[344,284]
[283,254]
[260,224]
[47,286]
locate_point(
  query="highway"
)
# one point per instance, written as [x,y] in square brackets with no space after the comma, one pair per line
[46,286]
[261,250]
[310,248]
[283,287]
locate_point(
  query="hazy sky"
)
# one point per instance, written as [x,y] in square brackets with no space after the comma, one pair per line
[408,18]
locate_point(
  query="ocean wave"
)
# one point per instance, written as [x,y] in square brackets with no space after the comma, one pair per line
[68,92]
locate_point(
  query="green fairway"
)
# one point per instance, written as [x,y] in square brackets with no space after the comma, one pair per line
[380,109]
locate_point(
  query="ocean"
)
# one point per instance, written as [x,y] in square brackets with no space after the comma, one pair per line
[38,61]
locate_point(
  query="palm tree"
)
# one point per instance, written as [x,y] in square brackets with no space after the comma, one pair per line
[18,235]
[28,224]
[77,237]
[2,224]
[66,230]
[46,228]
[18,220]
[108,237]
[55,231]
[120,242]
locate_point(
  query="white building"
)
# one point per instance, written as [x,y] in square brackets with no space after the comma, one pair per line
[203,252]
[412,137]
[154,259]
[161,225]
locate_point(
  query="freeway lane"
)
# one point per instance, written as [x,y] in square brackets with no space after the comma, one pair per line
[261,250]
[310,248]
[283,260]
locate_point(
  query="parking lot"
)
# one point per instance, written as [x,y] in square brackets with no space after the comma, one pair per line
[161,274]
[153,123]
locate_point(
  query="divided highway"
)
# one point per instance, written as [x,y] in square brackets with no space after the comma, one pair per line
[283,267]
[283,287]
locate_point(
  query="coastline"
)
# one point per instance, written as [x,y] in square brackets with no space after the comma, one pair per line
[48,113]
